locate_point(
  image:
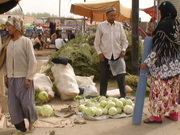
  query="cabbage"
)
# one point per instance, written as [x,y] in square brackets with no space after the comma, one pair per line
[110,98]
[115,100]
[133,105]
[38,109]
[90,111]
[43,95]
[110,104]
[102,98]
[104,111]
[47,111]
[90,104]
[112,111]
[119,110]
[119,104]
[81,108]
[128,109]
[97,105]
[129,102]
[103,103]
[99,112]
[123,100]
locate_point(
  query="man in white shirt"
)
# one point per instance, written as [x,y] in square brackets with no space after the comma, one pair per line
[58,42]
[110,44]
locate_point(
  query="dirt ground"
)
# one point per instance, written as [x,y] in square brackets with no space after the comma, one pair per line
[121,126]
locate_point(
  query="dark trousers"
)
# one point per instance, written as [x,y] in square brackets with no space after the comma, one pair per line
[21,126]
[105,73]
[37,46]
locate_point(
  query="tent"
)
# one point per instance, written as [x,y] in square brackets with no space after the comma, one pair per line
[6,5]
[152,11]
[96,10]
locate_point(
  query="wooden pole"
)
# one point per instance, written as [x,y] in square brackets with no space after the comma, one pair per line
[135,37]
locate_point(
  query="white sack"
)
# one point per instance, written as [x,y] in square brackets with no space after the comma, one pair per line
[65,81]
[43,82]
[88,85]
[116,93]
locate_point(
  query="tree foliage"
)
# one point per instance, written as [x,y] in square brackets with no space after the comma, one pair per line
[37,15]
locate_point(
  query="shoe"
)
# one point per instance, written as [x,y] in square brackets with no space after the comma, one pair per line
[151,121]
[173,116]
[31,127]
[18,132]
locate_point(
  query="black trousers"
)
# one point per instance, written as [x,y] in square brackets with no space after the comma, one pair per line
[104,77]
[37,46]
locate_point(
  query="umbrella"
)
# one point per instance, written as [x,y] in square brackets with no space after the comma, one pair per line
[6,5]
[96,10]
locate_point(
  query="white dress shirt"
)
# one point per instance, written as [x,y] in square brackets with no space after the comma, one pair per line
[110,39]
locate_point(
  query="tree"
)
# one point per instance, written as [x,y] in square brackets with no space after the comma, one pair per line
[37,15]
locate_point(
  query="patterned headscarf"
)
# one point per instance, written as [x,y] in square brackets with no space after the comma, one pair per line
[18,23]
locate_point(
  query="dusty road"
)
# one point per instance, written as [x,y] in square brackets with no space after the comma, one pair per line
[121,126]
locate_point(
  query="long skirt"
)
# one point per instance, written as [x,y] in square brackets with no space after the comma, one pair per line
[164,96]
[21,101]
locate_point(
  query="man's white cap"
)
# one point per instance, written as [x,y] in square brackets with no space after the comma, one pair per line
[110,9]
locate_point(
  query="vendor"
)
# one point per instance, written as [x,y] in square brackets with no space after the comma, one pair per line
[39,43]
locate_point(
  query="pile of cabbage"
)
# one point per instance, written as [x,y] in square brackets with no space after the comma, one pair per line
[105,106]
[45,110]
[41,97]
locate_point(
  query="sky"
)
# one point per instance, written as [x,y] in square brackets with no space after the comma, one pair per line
[52,6]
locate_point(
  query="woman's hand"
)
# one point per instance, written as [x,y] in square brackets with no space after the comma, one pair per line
[27,83]
[143,66]
[6,81]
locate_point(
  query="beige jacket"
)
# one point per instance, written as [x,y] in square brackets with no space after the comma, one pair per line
[20,59]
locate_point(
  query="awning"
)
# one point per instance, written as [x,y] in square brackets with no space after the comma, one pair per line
[96,10]
[6,5]
[151,11]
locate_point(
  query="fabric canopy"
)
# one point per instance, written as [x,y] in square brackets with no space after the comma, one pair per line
[151,11]
[96,10]
[6,5]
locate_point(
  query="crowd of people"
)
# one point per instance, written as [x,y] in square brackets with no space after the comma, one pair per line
[111,44]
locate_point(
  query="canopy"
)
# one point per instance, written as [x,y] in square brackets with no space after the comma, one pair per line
[6,5]
[96,10]
[151,11]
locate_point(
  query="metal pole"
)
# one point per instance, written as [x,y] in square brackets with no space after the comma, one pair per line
[59,8]
[84,26]
[157,13]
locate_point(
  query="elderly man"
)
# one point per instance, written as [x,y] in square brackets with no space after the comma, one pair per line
[110,44]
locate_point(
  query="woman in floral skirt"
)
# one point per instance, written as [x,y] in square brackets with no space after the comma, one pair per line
[164,66]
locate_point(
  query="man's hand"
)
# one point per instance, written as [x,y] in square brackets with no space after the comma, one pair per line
[101,57]
[122,54]
[27,83]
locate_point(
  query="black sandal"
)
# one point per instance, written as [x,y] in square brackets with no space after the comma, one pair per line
[151,121]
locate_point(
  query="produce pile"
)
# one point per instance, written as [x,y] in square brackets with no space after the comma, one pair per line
[84,58]
[101,105]
[45,110]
